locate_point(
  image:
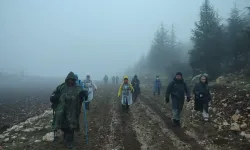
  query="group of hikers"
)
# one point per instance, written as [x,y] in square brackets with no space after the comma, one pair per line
[177,89]
[115,79]
[69,96]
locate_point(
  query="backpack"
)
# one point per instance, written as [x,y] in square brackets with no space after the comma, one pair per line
[55,96]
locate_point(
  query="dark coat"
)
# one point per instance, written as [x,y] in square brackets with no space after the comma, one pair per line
[202,96]
[67,111]
[177,89]
[136,84]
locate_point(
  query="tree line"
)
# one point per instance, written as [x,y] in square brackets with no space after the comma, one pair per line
[216,48]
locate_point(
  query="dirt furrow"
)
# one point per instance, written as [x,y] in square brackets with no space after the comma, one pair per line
[179,132]
[114,139]
[99,119]
[125,131]
[152,132]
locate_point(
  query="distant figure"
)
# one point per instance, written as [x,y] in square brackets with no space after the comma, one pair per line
[202,97]
[136,84]
[105,79]
[177,89]
[125,92]
[157,85]
[113,80]
[116,79]
[67,111]
[79,82]
[88,83]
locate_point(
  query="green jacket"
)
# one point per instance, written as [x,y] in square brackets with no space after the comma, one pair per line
[67,111]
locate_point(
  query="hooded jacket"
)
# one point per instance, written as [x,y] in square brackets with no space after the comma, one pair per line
[121,86]
[68,109]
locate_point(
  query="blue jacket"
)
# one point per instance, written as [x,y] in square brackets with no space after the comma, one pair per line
[157,84]
[79,82]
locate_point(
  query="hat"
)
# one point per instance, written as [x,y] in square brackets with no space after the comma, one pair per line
[178,73]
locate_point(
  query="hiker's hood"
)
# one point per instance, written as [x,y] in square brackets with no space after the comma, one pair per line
[125,77]
[71,75]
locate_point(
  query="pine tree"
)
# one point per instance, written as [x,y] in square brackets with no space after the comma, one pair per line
[158,52]
[235,39]
[172,38]
[206,54]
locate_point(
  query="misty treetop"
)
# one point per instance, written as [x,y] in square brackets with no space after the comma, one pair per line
[207,51]
[217,48]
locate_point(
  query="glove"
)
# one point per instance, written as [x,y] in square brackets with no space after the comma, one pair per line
[83,94]
[188,99]
[86,97]
[167,99]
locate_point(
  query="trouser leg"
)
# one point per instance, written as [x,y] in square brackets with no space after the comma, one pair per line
[70,139]
[205,111]
[176,114]
[176,117]
[87,105]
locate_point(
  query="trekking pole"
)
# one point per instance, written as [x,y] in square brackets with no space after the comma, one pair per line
[54,136]
[85,121]
[192,113]
[54,129]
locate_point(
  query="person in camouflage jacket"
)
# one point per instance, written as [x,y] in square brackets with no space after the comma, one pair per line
[67,111]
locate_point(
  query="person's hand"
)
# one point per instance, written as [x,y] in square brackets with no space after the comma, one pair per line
[188,99]
[71,126]
[167,99]
[201,95]
[86,98]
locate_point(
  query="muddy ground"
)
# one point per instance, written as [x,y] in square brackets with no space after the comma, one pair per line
[17,103]
[145,126]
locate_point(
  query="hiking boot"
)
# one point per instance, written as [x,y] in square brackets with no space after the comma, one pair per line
[178,123]
[174,123]
[70,147]
[64,136]
[206,119]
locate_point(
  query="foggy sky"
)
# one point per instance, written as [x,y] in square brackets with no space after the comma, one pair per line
[53,37]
